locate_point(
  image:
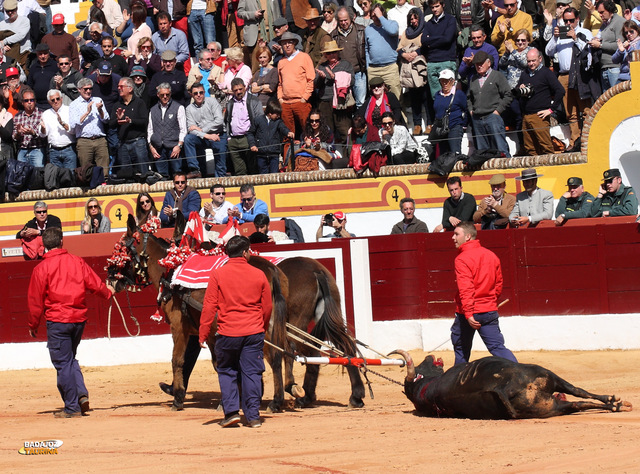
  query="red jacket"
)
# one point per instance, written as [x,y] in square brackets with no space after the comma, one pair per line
[58,288]
[479,279]
[241,296]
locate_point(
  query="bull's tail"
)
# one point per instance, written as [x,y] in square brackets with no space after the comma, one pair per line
[278,326]
[330,326]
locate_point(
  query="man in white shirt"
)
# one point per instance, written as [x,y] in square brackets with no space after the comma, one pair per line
[20,27]
[215,212]
[60,137]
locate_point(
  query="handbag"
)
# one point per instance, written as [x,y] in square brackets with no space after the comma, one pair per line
[440,127]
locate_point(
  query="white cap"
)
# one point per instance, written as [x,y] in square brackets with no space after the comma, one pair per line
[446,74]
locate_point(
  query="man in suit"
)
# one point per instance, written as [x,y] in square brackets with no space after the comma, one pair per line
[494,210]
[533,204]
[252,13]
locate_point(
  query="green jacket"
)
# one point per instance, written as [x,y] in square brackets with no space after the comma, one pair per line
[622,203]
[575,208]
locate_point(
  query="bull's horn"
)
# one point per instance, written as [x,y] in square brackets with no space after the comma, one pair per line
[411,370]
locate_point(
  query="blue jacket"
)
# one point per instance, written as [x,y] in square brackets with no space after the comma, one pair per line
[267,135]
[467,71]
[190,201]
[439,39]
[259,207]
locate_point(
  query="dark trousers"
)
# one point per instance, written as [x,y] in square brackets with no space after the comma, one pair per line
[241,357]
[462,336]
[132,158]
[244,161]
[268,163]
[62,342]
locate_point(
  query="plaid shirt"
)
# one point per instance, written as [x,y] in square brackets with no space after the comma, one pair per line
[28,141]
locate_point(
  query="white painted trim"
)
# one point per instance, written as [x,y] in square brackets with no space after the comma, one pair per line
[361,286]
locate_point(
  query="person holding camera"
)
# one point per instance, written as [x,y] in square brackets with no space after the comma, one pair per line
[337,220]
[541,96]
[570,45]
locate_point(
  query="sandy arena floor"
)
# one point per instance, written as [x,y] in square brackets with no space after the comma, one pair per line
[132,428]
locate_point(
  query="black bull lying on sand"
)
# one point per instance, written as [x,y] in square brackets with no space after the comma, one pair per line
[496,388]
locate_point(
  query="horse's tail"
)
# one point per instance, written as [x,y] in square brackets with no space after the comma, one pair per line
[279,313]
[330,326]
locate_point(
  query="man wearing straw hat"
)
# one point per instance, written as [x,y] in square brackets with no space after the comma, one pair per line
[334,80]
[533,204]
[315,37]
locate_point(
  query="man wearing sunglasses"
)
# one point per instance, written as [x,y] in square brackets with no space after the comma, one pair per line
[508,24]
[248,207]
[66,80]
[39,223]
[581,85]
[26,132]
[166,131]
[62,43]
[182,197]
[614,198]
[216,211]
[280,27]
[40,74]
[60,137]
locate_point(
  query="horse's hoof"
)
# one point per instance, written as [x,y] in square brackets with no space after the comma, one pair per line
[622,406]
[177,407]
[304,402]
[295,390]
[356,403]
[273,408]
[166,388]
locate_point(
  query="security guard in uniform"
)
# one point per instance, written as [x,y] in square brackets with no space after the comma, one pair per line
[614,199]
[575,203]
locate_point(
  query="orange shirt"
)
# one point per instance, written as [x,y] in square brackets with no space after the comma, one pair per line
[296,78]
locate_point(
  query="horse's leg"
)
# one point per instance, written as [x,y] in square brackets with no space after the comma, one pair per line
[357,388]
[309,386]
[274,357]
[180,340]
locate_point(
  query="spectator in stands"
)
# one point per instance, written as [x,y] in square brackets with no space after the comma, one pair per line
[337,220]
[94,221]
[540,96]
[413,68]
[248,207]
[242,109]
[468,14]
[236,69]
[439,44]
[131,117]
[494,210]
[205,73]
[381,43]
[381,100]
[118,64]
[60,137]
[533,204]
[205,129]
[329,22]
[457,208]
[182,197]
[607,41]
[92,49]
[40,74]
[26,124]
[575,203]
[580,83]
[280,27]
[139,28]
[317,139]
[314,37]
[167,128]
[111,10]
[18,45]
[146,58]
[216,211]
[145,208]
[6,131]
[263,234]
[42,220]
[402,145]
[365,19]
[171,75]
[552,22]
[140,84]
[105,86]
[410,224]
[66,80]
[295,84]
[88,116]
[202,27]
[334,81]
[264,83]
[172,39]
[216,49]
[265,137]
[479,43]
[489,96]
[13,89]
[450,98]
[62,43]
[350,37]
[6,63]
[508,24]
[253,15]
[399,14]
[622,56]
[614,198]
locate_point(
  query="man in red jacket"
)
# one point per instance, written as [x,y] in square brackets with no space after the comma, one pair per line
[479,281]
[240,295]
[57,289]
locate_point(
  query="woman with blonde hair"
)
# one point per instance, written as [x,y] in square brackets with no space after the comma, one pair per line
[237,68]
[265,80]
[94,221]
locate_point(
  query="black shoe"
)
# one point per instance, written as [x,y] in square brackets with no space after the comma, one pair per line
[166,388]
[84,404]
[230,420]
[255,423]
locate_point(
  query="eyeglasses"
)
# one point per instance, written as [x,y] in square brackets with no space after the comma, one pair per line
[247,199]
[220,194]
[522,41]
[86,88]
[41,212]
[93,207]
[509,5]
[215,50]
[179,182]
[570,20]
[145,202]
[122,86]
[207,59]
[629,32]
[387,124]
[197,93]
[63,64]
[28,100]
[55,99]
[378,87]
[327,11]
[164,95]
[146,47]
[314,120]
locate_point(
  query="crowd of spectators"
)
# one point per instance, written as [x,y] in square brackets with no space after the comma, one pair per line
[148,88]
